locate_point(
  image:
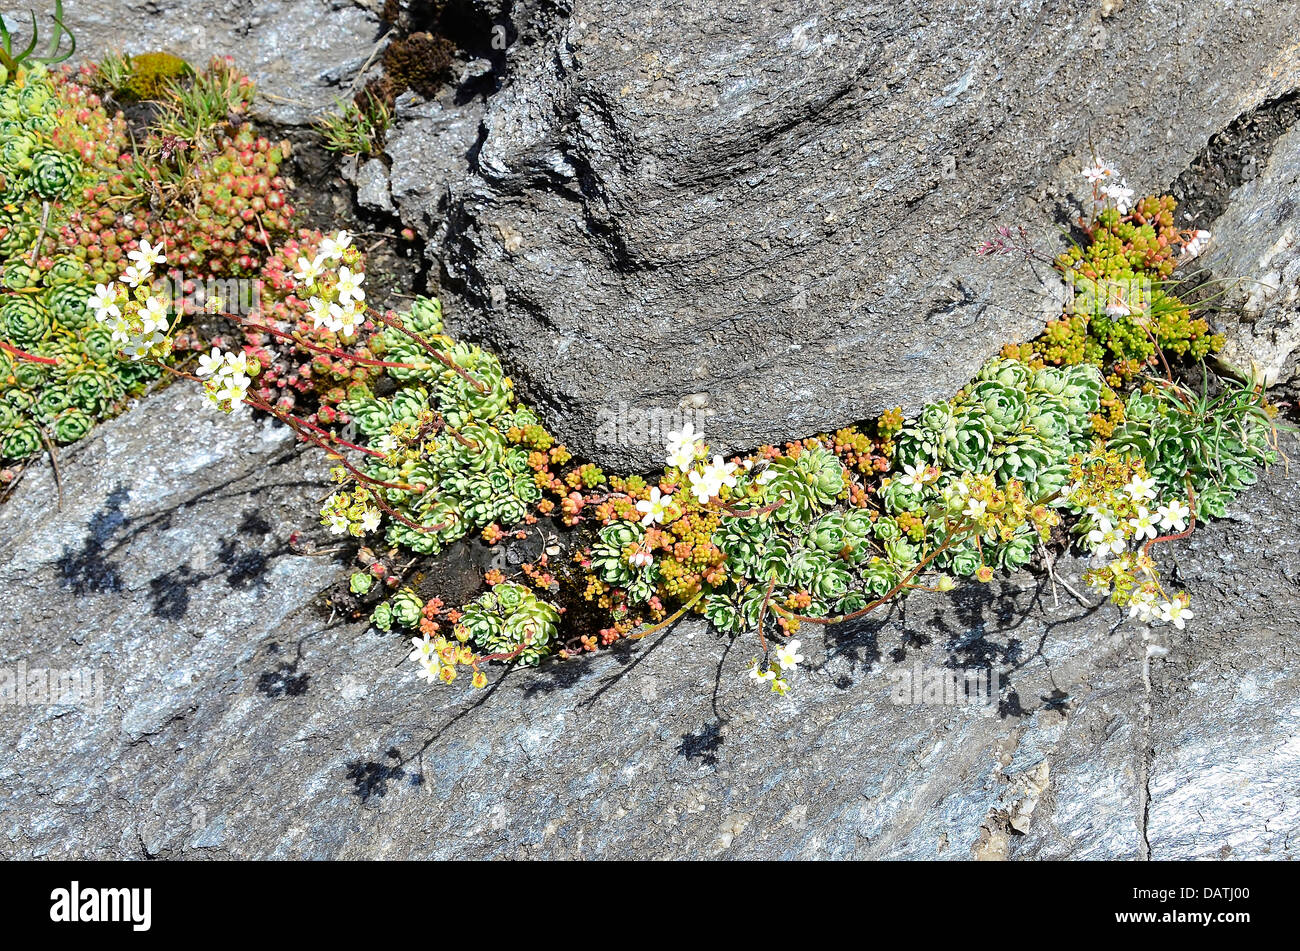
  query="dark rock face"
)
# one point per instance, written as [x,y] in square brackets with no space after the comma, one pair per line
[766,213]
[235,718]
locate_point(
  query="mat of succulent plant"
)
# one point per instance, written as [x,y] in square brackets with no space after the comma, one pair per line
[1087,424]
[1108,428]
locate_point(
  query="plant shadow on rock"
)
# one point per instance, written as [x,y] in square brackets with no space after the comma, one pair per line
[283,680]
[371,778]
[241,564]
[89,571]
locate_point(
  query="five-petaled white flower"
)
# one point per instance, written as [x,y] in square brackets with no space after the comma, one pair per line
[975,509]
[1140,489]
[1120,194]
[424,649]
[309,269]
[1142,606]
[788,655]
[147,255]
[135,274]
[210,363]
[656,508]
[1176,612]
[104,302]
[153,316]
[683,446]
[1104,539]
[349,285]
[343,318]
[1174,515]
[430,670]
[1098,171]
[916,476]
[370,520]
[331,249]
[1143,526]
[762,676]
[320,312]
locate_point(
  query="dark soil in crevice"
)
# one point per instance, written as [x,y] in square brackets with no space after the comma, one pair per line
[1234,155]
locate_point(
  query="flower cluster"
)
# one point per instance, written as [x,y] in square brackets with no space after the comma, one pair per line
[1122,316]
[1122,516]
[333,283]
[775,672]
[351,511]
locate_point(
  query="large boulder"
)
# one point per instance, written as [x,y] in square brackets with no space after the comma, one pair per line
[765,215]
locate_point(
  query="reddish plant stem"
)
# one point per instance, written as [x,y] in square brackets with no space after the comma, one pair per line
[889,594]
[437,354]
[1191,524]
[24,355]
[327,351]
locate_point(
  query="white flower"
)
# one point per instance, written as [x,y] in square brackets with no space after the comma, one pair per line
[135,274]
[349,285]
[343,319]
[147,255]
[236,363]
[1143,527]
[788,656]
[430,670]
[975,509]
[309,269]
[656,508]
[331,249]
[1174,515]
[1118,308]
[683,445]
[1176,612]
[762,676]
[709,483]
[641,558]
[703,487]
[1098,171]
[1121,194]
[1198,243]
[1140,489]
[151,344]
[767,475]
[338,522]
[370,520]
[229,389]
[153,315]
[104,302]
[320,312]
[1142,606]
[1104,539]
[723,473]
[681,457]
[210,363]
[916,476]
[424,649]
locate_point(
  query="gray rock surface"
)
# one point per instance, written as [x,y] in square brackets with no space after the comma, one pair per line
[303,54]
[1255,260]
[768,211]
[238,720]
